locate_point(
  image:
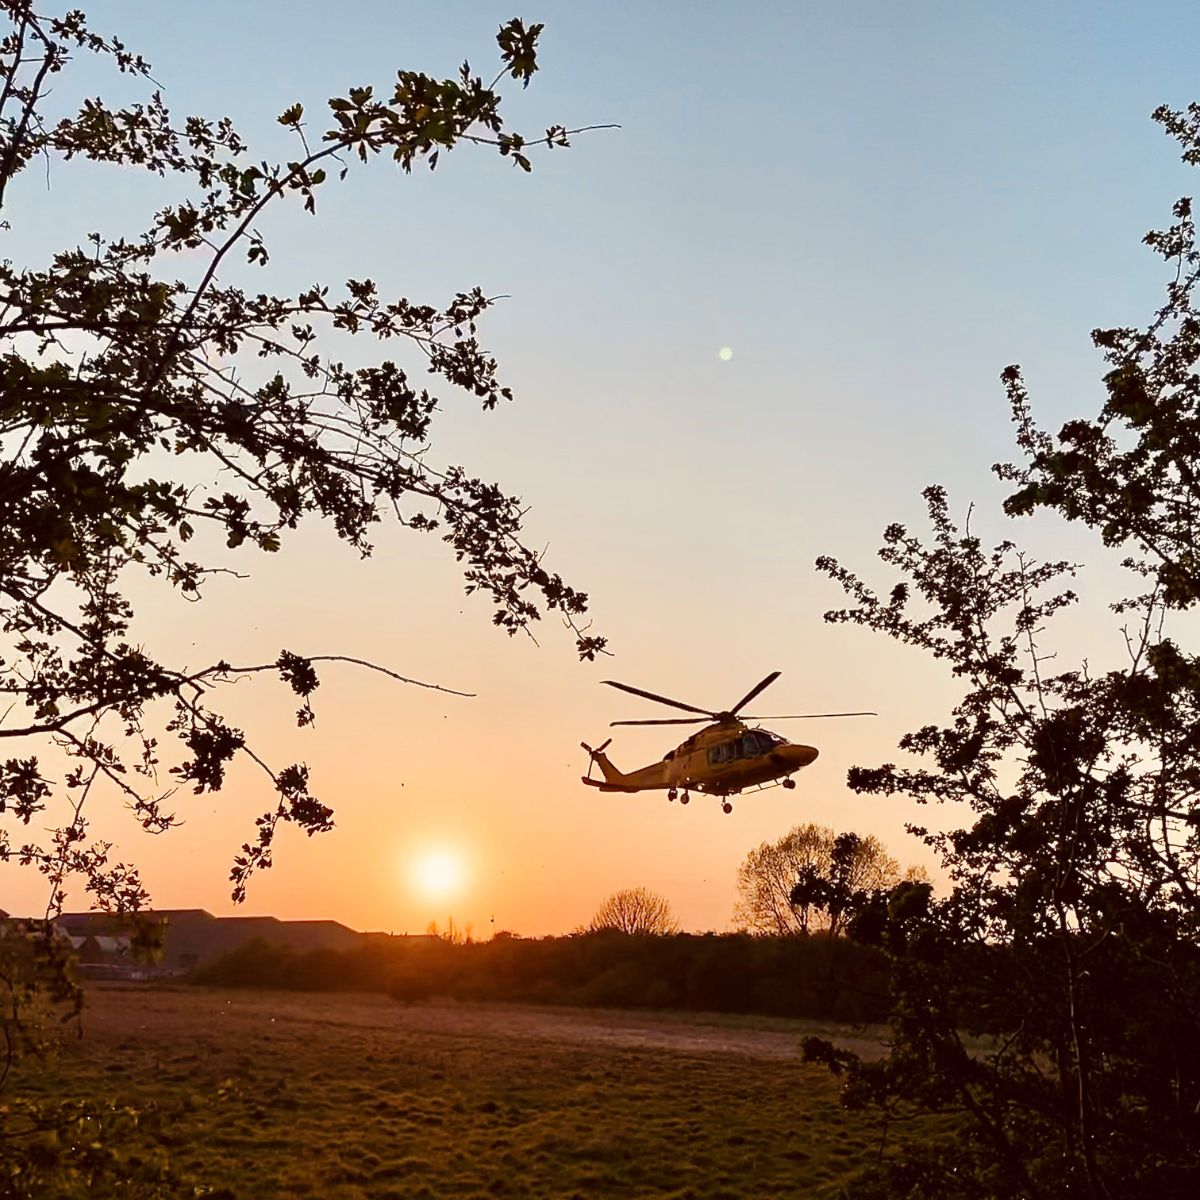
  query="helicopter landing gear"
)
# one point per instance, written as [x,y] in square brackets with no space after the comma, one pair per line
[684,798]
[726,807]
[671,793]
[789,784]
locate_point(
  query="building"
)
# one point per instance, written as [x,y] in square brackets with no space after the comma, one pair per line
[173,941]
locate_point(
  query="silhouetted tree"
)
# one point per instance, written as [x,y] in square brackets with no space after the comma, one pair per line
[636,911]
[453,933]
[164,411]
[1069,936]
[854,871]
[164,422]
[783,886]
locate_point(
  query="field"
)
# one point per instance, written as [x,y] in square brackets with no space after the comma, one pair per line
[272,1094]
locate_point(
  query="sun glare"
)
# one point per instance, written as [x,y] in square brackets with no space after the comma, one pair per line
[438,873]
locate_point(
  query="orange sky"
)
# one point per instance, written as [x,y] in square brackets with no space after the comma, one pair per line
[808,191]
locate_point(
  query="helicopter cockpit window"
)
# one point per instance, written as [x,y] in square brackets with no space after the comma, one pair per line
[757,742]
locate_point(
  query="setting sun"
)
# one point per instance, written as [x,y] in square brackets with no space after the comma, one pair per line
[438,873]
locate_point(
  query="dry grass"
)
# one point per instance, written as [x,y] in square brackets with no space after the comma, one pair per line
[351,1097]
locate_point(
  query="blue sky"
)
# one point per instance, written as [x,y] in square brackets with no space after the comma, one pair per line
[877,207]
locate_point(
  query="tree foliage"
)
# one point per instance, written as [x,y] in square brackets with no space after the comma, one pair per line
[1069,936]
[854,870]
[795,884]
[821,978]
[636,911]
[164,413]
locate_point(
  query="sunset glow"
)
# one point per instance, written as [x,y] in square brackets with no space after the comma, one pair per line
[438,874]
[871,216]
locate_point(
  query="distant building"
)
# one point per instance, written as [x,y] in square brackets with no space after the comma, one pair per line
[107,945]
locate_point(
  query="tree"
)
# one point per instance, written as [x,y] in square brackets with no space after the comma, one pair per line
[782,885]
[637,911]
[164,413]
[1069,936]
[119,379]
[842,887]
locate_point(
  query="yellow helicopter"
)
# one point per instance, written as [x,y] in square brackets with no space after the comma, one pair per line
[721,760]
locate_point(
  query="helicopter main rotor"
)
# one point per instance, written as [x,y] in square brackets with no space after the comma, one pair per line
[725,717]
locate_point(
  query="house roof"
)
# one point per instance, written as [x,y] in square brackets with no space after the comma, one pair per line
[194,935]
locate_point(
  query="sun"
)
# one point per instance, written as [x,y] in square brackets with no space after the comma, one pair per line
[438,873]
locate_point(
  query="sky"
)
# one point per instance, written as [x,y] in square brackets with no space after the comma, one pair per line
[743,329]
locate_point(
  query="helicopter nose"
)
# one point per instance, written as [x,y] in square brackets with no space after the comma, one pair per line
[799,756]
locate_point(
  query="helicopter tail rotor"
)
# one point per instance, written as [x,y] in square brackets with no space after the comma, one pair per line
[592,754]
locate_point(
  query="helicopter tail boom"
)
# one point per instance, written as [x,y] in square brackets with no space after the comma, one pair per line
[653,776]
[607,787]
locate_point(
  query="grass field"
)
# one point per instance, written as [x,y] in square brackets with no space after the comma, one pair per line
[272,1094]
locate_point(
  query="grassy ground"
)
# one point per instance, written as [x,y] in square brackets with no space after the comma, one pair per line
[359,1098]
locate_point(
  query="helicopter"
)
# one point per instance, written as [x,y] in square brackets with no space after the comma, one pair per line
[719,760]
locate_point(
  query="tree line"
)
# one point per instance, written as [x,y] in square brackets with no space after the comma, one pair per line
[818,977]
[631,952]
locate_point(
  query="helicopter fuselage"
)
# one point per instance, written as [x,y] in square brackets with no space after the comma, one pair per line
[721,759]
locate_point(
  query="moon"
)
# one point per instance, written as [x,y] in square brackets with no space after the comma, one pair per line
[725,353]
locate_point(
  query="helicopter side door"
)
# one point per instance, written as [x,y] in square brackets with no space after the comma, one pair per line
[723,754]
[727,759]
